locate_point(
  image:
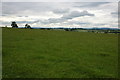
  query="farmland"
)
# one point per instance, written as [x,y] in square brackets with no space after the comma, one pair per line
[35,53]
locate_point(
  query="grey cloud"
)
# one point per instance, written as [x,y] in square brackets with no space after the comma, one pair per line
[100,24]
[56,20]
[29,22]
[22,16]
[90,4]
[22,22]
[78,22]
[42,10]
[65,17]
[77,14]
[4,22]
[59,1]
[12,8]
[3,15]
[61,11]
[114,12]
[17,8]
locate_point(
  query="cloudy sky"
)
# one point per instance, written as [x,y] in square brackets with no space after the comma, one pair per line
[61,14]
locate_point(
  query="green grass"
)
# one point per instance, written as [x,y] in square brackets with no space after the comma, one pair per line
[35,53]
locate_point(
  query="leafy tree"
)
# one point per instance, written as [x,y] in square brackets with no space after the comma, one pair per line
[27,26]
[14,25]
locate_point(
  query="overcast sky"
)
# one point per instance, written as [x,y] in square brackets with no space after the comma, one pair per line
[61,14]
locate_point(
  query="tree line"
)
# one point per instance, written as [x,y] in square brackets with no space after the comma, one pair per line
[14,25]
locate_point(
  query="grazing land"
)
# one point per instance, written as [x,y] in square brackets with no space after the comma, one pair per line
[35,53]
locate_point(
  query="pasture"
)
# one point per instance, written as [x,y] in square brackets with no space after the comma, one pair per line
[35,53]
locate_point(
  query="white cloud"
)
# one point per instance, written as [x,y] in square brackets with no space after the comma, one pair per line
[57,14]
[59,1]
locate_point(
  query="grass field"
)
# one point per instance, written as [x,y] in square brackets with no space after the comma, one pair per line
[35,53]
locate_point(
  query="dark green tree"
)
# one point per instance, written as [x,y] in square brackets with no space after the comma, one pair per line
[27,26]
[14,25]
